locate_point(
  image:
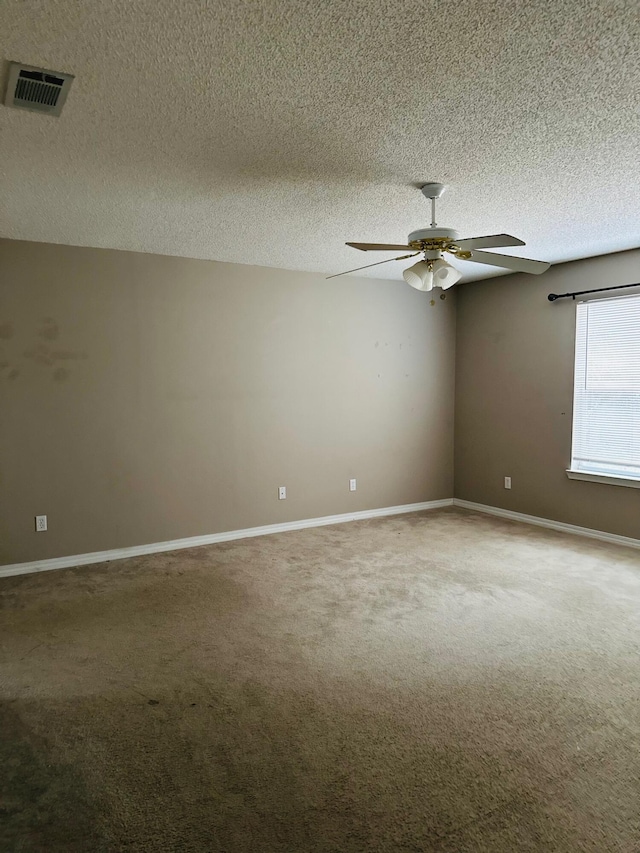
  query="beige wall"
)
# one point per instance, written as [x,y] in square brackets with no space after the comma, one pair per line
[147,398]
[514,390]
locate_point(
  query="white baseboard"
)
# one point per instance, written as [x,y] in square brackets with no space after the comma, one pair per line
[265,530]
[212,538]
[602,535]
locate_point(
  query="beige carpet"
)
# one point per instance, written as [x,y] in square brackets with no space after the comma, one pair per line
[431,682]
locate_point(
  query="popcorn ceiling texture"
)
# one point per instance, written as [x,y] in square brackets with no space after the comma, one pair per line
[272,132]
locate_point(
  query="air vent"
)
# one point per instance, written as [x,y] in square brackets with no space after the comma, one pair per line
[37,89]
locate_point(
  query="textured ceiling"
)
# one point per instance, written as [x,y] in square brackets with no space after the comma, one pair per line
[272,132]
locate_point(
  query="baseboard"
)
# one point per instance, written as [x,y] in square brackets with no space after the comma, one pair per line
[212,538]
[602,535]
[265,530]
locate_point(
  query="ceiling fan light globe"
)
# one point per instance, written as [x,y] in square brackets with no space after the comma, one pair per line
[444,275]
[419,276]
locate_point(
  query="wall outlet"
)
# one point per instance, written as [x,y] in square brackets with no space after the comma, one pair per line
[282,493]
[507,482]
[41,523]
[352,485]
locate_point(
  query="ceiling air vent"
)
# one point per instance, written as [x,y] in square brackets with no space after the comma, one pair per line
[37,89]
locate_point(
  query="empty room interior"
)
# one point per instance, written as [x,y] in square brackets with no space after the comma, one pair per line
[319,426]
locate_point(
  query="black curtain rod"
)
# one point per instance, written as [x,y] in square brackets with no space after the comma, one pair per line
[553,296]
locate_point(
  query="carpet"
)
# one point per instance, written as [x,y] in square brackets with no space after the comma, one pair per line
[440,681]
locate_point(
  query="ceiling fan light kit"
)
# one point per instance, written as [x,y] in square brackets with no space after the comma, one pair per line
[427,274]
[432,242]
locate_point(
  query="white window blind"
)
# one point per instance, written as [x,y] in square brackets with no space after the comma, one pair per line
[606,401]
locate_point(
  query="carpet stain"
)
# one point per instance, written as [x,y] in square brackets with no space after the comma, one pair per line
[44,804]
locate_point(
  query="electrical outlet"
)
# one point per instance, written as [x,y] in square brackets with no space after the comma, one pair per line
[507,482]
[352,485]
[282,493]
[41,523]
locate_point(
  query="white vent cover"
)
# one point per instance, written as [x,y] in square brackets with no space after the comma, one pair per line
[37,89]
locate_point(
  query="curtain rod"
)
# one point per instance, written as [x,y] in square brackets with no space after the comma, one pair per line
[553,296]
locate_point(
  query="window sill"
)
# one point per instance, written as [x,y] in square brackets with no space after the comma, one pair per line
[610,479]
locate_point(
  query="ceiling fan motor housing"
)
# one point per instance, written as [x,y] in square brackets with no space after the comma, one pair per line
[432,241]
[429,234]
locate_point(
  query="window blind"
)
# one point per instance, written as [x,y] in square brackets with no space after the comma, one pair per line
[606,400]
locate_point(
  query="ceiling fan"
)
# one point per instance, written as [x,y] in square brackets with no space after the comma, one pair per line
[432,242]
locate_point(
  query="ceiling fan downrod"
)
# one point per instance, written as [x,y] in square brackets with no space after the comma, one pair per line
[433,191]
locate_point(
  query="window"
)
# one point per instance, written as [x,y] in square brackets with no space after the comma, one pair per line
[606,399]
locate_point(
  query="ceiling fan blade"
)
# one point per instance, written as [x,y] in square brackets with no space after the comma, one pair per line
[378,247]
[509,262]
[495,241]
[377,264]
